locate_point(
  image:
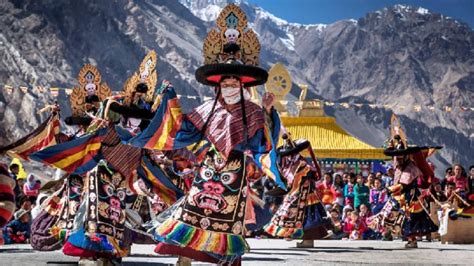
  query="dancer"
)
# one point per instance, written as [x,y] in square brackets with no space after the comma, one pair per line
[411,169]
[208,225]
[302,214]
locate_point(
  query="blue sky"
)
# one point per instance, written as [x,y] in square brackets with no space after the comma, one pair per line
[328,11]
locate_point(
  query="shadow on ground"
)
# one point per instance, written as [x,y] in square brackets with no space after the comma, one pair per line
[16,250]
[247,258]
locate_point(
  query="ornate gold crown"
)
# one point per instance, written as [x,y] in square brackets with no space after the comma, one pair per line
[89,79]
[398,139]
[232,28]
[146,74]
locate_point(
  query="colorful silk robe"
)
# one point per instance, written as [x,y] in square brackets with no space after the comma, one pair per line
[404,208]
[211,218]
[214,209]
[301,208]
[170,129]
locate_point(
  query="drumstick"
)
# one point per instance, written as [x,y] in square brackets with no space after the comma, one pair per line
[434,199]
[460,198]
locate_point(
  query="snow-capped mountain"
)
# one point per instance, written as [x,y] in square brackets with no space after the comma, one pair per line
[400,55]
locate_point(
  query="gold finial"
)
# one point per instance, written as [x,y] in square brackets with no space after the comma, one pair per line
[279,80]
[304,91]
[279,83]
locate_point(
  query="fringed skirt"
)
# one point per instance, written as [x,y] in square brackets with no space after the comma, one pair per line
[196,243]
[418,224]
[300,214]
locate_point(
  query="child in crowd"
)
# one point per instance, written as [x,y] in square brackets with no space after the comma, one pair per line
[346,212]
[370,180]
[32,187]
[364,213]
[338,190]
[437,192]
[354,226]
[378,196]
[19,190]
[361,192]
[18,230]
[388,179]
[449,193]
[337,232]
[349,191]
[460,180]
[325,189]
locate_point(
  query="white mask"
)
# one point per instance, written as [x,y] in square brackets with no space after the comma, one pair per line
[232,95]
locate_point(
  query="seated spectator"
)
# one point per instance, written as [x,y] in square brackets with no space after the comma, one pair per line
[364,213]
[346,212]
[349,191]
[336,205]
[18,230]
[345,178]
[35,211]
[25,205]
[325,190]
[19,190]
[361,192]
[389,177]
[32,187]
[370,181]
[460,180]
[14,170]
[338,190]
[337,232]
[471,183]
[437,192]
[449,193]
[378,196]
[354,226]
[448,174]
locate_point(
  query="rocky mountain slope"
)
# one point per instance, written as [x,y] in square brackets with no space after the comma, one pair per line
[398,56]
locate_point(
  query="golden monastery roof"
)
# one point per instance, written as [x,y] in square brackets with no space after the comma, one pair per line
[329,140]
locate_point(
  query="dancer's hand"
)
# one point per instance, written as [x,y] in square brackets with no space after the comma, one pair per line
[267,101]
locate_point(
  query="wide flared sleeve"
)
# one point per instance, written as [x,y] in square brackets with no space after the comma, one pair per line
[169,129]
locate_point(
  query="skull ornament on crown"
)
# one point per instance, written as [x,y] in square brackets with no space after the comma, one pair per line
[90,86]
[232,35]
[146,71]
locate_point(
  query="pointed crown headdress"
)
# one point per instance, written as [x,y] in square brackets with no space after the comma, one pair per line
[146,74]
[90,84]
[231,50]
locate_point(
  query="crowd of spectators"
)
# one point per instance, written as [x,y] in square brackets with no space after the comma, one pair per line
[26,191]
[350,199]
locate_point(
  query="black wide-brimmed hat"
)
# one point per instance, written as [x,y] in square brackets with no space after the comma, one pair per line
[249,75]
[292,147]
[401,151]
[410,150]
